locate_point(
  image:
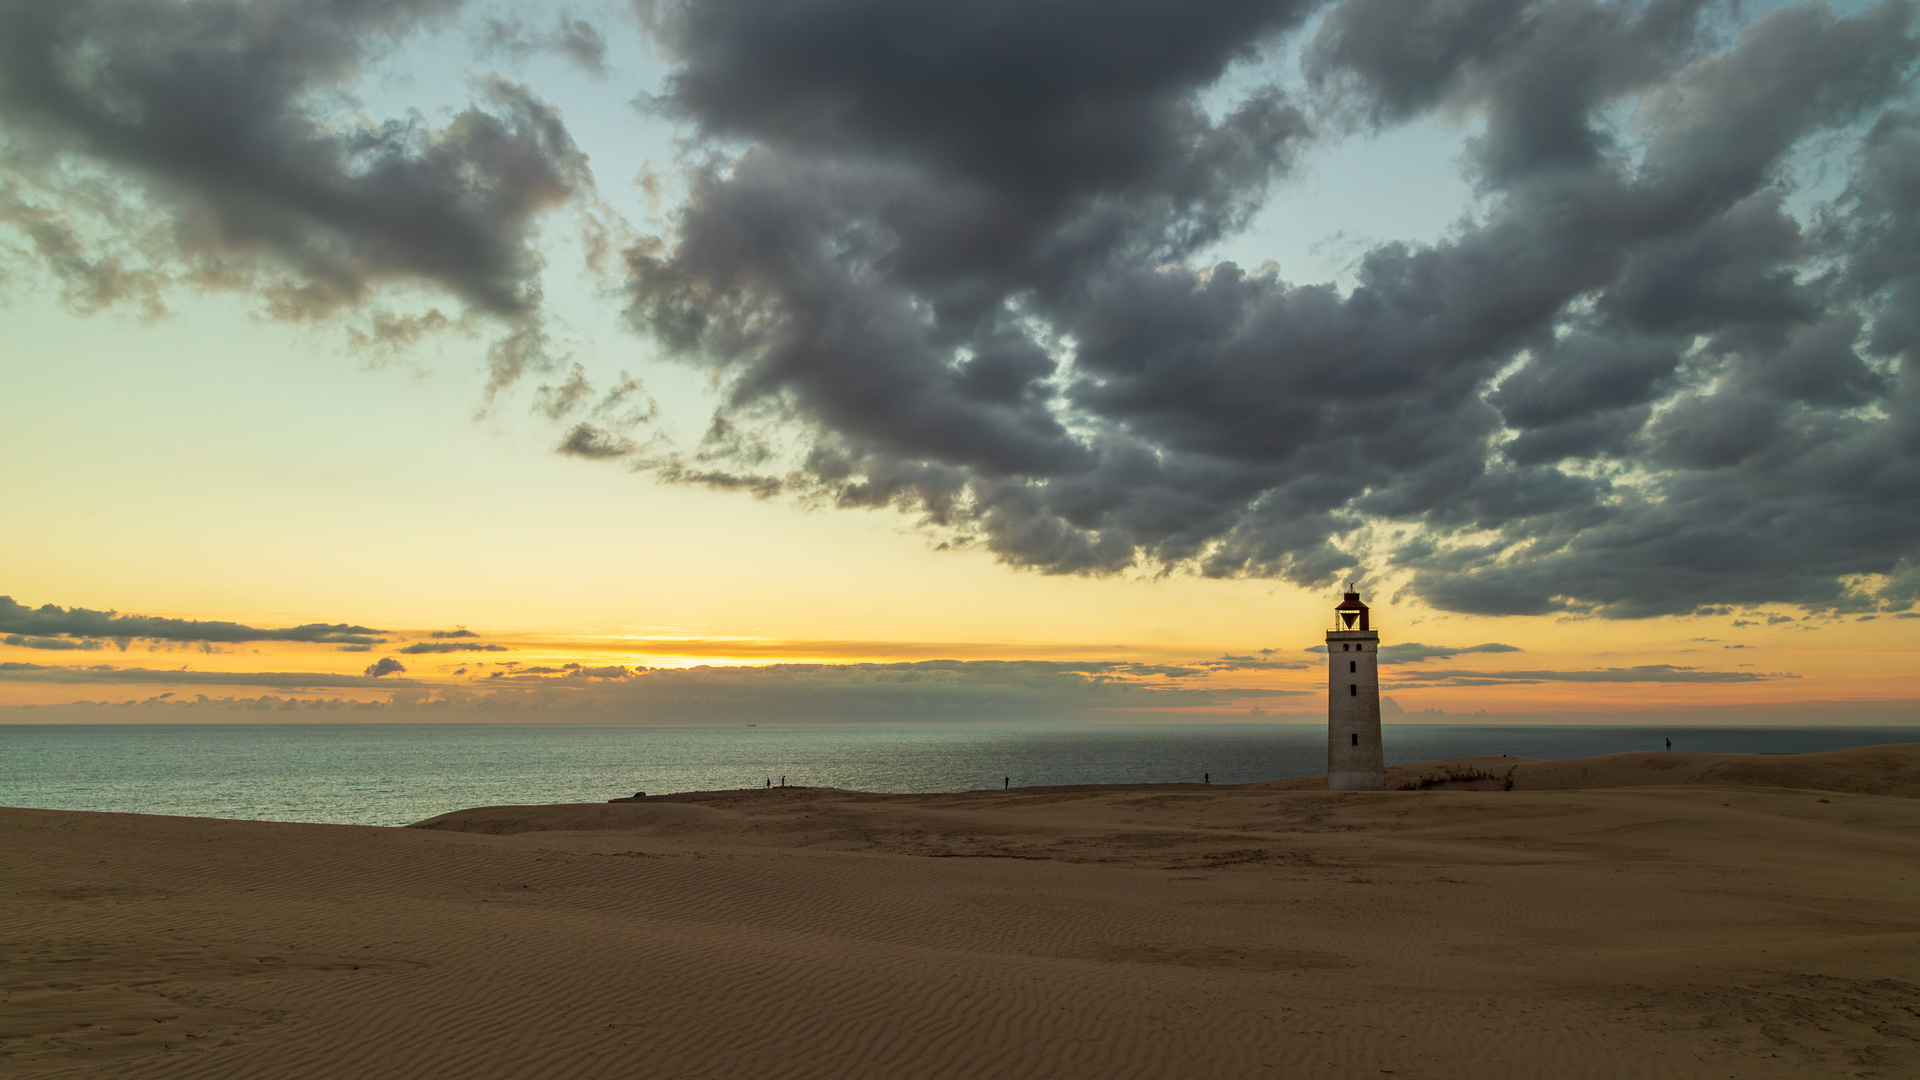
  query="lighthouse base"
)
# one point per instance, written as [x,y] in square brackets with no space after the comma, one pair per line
[1357,781]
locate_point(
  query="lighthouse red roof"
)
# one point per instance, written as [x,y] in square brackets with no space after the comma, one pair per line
[1351,609]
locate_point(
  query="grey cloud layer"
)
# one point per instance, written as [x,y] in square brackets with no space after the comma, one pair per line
[56,644]
[1413,652]
[47,626]
[105,674]
[1641,673]
[952,259]
[956,257]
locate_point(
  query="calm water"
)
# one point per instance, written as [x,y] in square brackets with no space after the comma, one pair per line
[394,774]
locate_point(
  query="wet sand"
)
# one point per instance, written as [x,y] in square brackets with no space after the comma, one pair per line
[1682,915]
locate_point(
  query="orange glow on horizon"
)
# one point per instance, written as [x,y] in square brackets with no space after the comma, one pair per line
[1865,664]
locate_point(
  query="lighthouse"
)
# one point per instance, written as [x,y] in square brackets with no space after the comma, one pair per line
[1353,700]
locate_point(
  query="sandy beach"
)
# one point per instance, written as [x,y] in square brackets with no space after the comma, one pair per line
[1645,915]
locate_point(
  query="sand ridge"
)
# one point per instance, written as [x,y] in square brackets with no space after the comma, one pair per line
[1670,929]
[1866,770]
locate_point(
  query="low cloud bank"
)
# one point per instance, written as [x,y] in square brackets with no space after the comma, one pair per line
[45,626]
[420,647]
[934,689]
[930,689]
[12,671]
[958,690]
[1413,652]
[1640,673]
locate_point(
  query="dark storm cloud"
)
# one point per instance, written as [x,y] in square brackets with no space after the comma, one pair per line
[50,621]
[915,166]
[956,250]
[419,647]
[384,666]
[285,680]
[954,259]
[213,144]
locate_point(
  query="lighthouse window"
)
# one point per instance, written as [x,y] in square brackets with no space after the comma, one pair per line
[1344,648]
[1353,665]
[1353,690]
[1356,740]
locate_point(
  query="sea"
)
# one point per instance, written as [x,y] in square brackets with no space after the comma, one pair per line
[393,774]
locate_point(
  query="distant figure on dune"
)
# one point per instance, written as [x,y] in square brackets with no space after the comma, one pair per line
[1006,783]
[1669,744]
[1206,778]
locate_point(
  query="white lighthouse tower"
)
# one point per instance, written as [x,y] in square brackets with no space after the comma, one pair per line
[1353,701]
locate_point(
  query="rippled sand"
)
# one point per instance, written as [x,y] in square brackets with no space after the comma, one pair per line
[1636,915]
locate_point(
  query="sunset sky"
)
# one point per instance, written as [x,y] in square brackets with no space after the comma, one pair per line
[716,360]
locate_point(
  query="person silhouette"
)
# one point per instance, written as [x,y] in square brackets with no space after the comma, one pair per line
[1669,744]
[1006,783]
[1206,778]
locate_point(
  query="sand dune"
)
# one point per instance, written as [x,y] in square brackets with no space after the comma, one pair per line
[1694,915]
